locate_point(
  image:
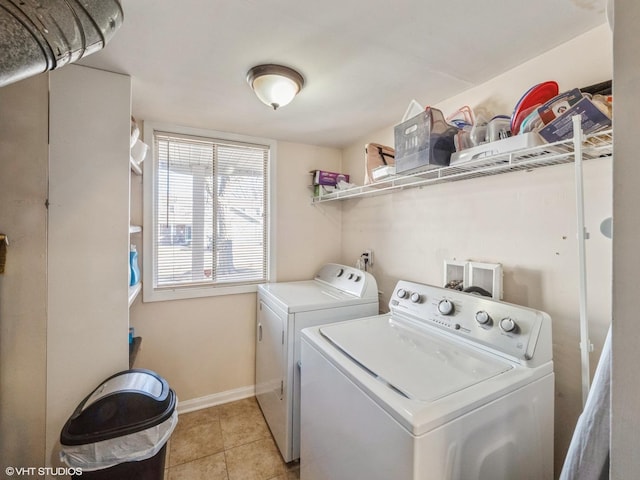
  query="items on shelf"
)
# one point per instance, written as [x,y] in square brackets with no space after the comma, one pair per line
[543,109]
[543,115]
[139,149]
[379,162]
[134,267]
[327,182]
[135,131]
[506,145]
[593,146]
[428,146]
[561,127]
[134,348]
[423,142]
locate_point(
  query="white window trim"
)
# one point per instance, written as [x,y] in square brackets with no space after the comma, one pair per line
[150,294]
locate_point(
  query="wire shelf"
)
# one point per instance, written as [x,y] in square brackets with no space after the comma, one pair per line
[595,145]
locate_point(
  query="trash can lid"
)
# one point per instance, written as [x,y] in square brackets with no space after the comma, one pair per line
[127,402]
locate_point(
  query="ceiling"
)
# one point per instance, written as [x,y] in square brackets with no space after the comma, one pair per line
[363,60]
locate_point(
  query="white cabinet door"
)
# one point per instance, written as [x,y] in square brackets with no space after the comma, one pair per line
[270,370]
[87,236]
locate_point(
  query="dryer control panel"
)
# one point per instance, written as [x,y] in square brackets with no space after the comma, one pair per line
[521,333]
[348,279]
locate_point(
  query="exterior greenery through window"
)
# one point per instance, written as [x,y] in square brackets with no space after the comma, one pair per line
[210,207]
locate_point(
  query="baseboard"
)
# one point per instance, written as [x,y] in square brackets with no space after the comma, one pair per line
[194,404]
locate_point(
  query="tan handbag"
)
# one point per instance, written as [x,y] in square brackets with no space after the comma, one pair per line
[376,155]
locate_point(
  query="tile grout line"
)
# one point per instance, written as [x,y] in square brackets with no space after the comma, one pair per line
[243,408]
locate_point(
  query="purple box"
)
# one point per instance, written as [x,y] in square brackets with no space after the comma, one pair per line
[321,177]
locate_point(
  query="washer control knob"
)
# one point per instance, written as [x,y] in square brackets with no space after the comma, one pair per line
[445,307]
[350,276]
[416,298]
[482,317]
[507,324]
[402,293]
[340,272]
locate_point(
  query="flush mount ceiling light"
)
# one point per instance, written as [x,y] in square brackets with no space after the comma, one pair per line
[275,85]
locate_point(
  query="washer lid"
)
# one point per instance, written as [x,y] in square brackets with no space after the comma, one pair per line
[420,366]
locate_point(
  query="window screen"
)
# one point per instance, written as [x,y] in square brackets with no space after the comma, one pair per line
[210,204]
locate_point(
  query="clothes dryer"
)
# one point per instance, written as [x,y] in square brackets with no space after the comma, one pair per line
[337,293]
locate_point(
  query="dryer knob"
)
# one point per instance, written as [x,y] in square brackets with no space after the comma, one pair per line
[445,307]
[416,298]
[507,324]
[402,293]
[482,317]
[340,272]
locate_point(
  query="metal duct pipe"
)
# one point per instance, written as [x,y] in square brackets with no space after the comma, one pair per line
[36,36]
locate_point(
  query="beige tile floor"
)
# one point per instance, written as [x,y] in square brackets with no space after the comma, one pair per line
[226,442]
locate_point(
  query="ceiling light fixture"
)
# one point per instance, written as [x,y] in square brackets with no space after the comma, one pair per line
[275,85]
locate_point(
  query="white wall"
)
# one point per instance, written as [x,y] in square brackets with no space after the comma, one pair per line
[23,286]
[206,346]
[525,220]
[625,390]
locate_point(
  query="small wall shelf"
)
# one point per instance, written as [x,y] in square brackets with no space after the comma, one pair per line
[133,350]
[135,168]
[134,291]
[593,146]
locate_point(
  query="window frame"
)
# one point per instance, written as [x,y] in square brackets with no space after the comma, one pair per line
[149,292]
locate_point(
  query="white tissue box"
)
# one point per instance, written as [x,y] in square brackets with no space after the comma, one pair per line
[383,172]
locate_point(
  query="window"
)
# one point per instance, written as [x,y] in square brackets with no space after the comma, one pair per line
[209,228]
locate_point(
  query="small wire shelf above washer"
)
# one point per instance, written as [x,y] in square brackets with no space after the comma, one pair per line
[594,145]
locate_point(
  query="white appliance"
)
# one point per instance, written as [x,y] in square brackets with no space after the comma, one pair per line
[448,385]
[336,293]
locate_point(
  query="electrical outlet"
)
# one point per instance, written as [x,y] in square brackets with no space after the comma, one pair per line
[368,254]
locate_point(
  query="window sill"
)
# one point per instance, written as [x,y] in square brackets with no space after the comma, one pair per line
[159,295]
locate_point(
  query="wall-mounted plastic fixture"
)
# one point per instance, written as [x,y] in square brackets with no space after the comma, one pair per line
[455,274]
[466,274]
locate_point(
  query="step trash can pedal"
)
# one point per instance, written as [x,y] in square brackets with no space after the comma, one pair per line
[120,430]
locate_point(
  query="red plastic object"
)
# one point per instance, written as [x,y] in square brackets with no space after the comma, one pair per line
[535,96]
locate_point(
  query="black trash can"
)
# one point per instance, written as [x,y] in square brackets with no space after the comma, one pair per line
[121,429]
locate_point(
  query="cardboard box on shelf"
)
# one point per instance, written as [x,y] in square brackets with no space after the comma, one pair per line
[558,105]
[322,177]
[561,128]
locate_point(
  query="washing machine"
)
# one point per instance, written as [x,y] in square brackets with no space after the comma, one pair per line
[336,293]
[447,385]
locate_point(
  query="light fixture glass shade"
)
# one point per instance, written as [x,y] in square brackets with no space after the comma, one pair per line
[275,85]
